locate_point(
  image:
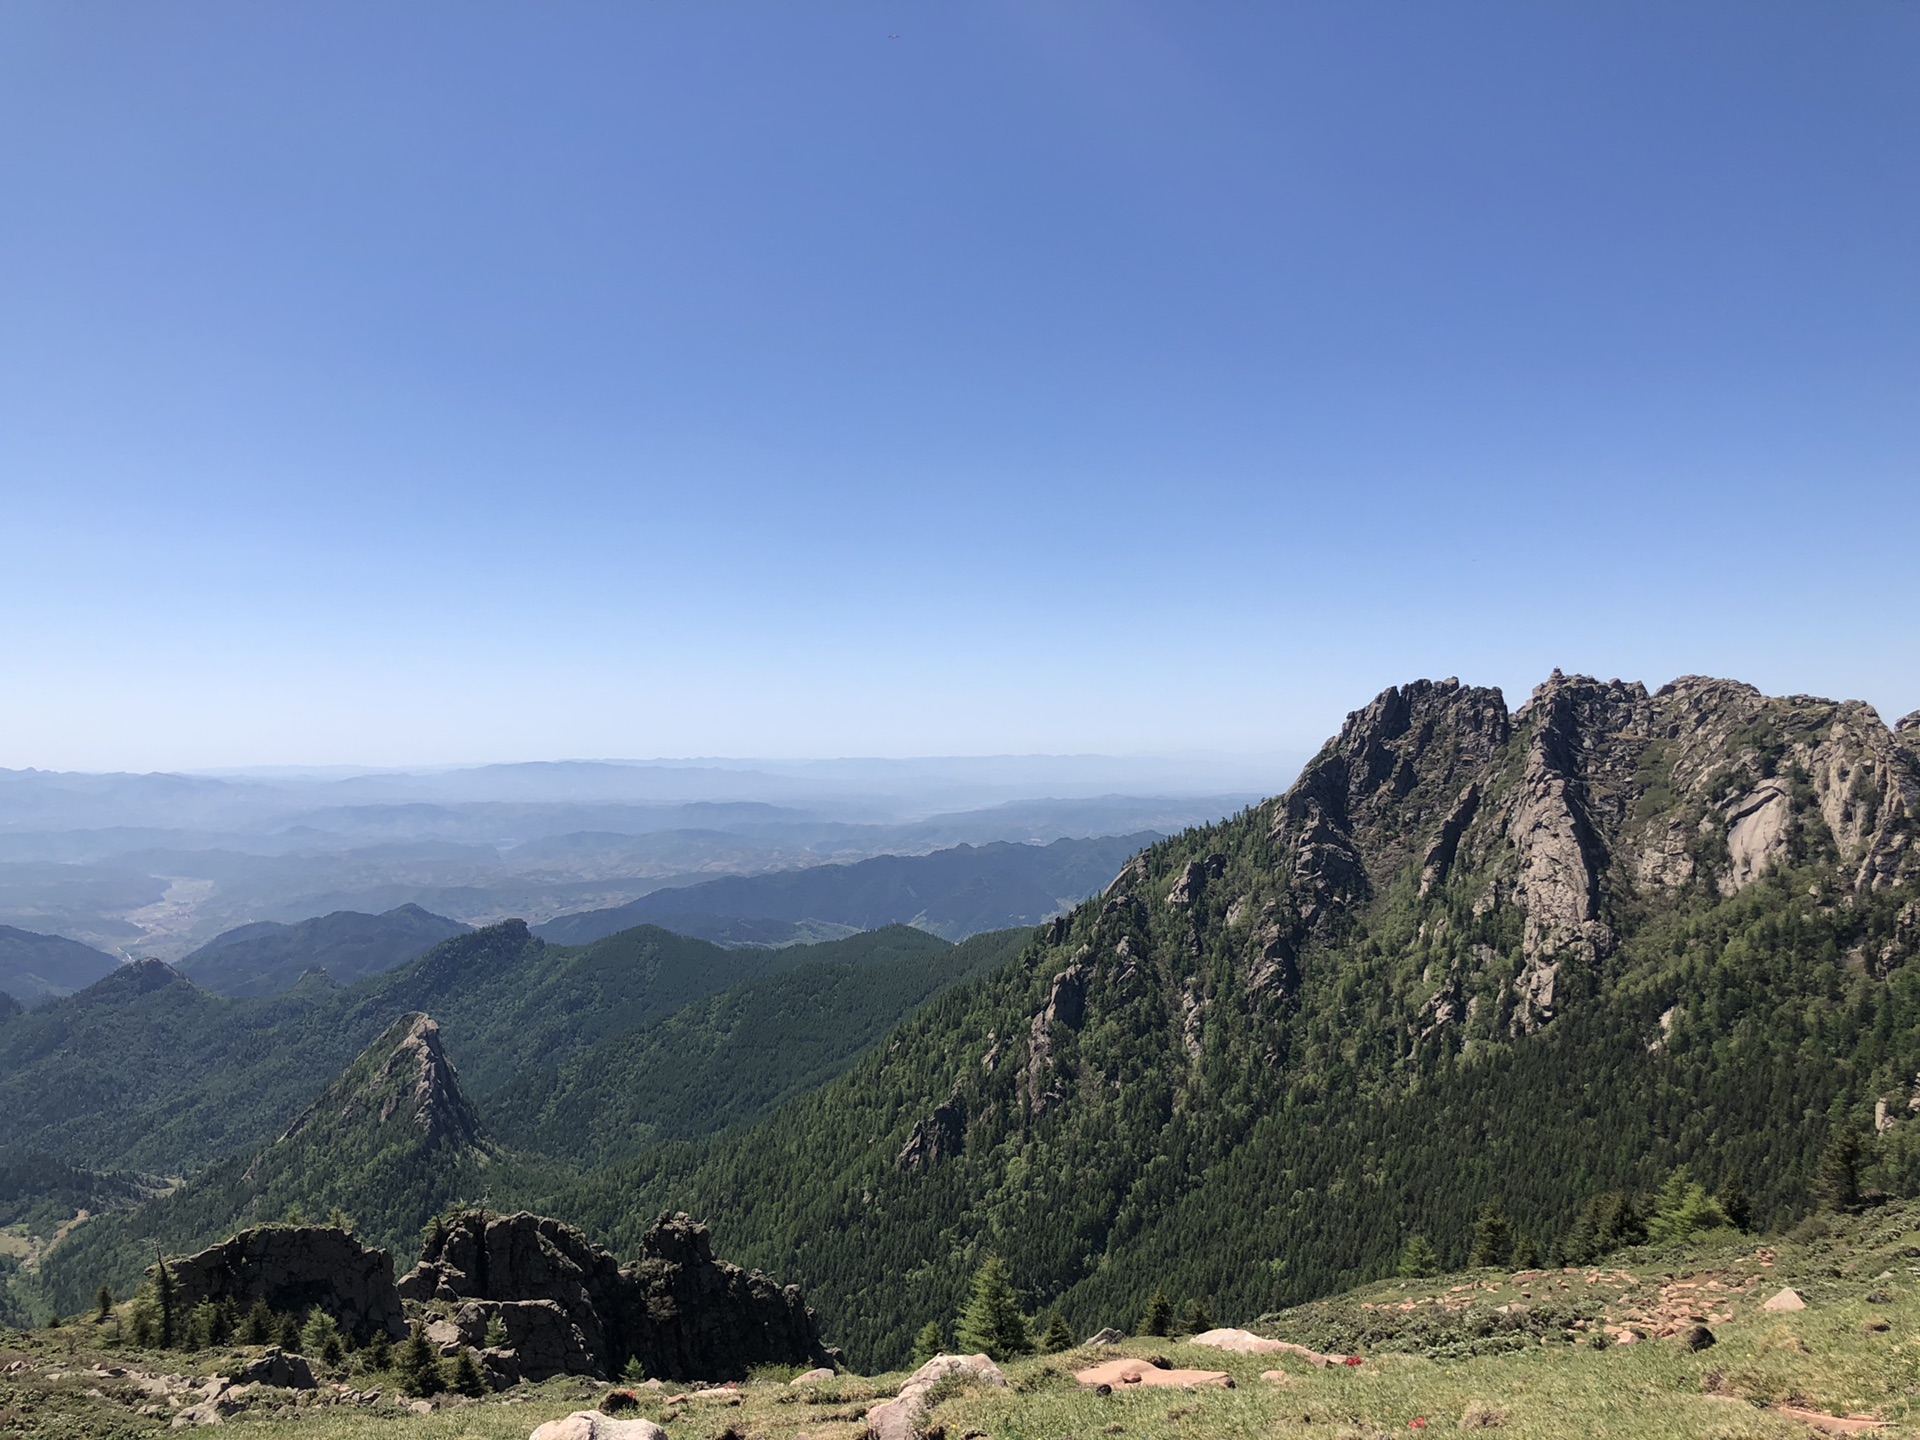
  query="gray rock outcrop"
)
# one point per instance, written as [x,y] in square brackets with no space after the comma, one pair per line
[569,1308]
[297,1268]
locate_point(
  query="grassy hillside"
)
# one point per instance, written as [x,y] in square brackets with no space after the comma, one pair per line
[1485,1349]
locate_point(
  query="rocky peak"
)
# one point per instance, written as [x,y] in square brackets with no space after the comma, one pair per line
[405,1073]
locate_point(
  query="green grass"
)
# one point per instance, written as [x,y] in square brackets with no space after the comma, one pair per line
[1441,1351]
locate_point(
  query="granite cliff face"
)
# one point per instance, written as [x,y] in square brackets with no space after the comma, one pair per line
[1591,798]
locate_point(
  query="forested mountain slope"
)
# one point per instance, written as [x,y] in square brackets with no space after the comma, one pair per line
[393,1141]
[736,1055]
[266,958]
[144,1070]
[1469,955]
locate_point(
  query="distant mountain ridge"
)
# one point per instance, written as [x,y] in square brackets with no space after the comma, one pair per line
[266,957]
[952,893]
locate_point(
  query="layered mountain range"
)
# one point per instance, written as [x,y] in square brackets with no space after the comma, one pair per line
[1474,954]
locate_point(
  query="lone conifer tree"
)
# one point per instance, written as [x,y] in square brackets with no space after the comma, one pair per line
[1839,1183]
[928,1343]
[992,1323]
[163,1303]
[102,1305]
[1058,1336]
[1732,1196]
[1196,1320]
[1417,1260]
[1159,1317]
[1492,1237]
[258,1327]
[466,1375]
[416,1367]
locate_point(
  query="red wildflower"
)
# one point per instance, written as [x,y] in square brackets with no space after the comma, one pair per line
[1351,1360]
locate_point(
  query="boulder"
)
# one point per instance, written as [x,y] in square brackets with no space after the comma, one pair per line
[1787,1299]
[813,1377]
[1240,1342]
[276,1367]
[592,1425]
[1117,1374]
[1108,1336]
[905,1416]
[296,1268]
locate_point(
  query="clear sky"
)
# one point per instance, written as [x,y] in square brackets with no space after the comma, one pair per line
[442,382]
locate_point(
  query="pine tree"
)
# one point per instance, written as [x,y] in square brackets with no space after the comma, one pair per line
[992,1323]
[1492,1237]
[1838,1185]
[466,1375]
[340,1220]
[320,1337]
[1196,1321]
[496,1336]
[103,1305]
[1417,1260]
[416,1367]
[1681,1208]
[928,1343]
[1732,1196]
[1058,1336]
[163,1304]
[258,1328]
[1159,1317]
[1526,1254]
[379,1351]
[289,1336]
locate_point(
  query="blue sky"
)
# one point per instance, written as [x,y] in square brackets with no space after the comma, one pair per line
[446,382]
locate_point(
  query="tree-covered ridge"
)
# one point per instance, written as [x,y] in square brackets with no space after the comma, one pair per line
[146,1070]
[267,958]
[1470,956]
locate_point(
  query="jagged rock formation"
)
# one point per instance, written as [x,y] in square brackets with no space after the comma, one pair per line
[412,1078]
[569,1308]
[295,1269]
